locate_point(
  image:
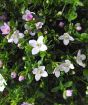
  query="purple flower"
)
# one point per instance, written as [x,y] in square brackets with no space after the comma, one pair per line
[69,93]
[5,29]
[27,15]
[21,78]
[13,75]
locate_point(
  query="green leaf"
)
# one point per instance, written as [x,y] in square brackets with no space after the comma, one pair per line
[55,89]
[85,72]
[68,84]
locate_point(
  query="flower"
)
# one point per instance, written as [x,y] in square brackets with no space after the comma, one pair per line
[66,66]
[27,15]
[57,71]
[15,37]
[25,103]
[5,29]
[78,27]
[21,78]
[61,24]
[39,72]
[80,57]
[38,45]
[2,83]
[66,38]
[13,75]
[39,25]
[67,93]
[32,33]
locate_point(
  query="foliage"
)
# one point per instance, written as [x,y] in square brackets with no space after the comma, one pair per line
[58,17]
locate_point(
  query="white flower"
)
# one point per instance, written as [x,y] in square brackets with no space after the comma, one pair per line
[66,38]
[66,66]
[15,37]
[80,57]
[2,83]
[57,71]
[39,25]
[38,45]
[40,72]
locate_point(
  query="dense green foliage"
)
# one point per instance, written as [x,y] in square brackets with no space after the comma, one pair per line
[19,59]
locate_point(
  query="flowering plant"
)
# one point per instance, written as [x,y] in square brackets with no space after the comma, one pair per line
[43,52]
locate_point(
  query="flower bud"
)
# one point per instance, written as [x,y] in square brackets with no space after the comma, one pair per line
[21,78]
[61,24]
[1,63]
[13,75]
[78,28]
[68,93]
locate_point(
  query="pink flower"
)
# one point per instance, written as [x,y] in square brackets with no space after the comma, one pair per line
[69,93]
[5,29]
[21,78]
[27,15]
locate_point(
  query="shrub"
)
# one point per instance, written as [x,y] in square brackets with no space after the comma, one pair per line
[43,52]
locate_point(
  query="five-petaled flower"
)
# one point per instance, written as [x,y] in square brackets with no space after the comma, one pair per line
[80,57]
[27,15]
[39,72]
[2,83]
[66,38]
[38,45]
[15,37]
[5,29]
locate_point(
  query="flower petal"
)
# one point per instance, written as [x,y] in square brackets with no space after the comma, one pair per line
[41,68]
[57,73]
[40,39]
[37,77]
[71,66]
[61,37]
[71,38]
[83,57]
[66,41]
[15,40]
[33,43]
[44,74]
[35,51]
[21,35]
[43,47]
[10,40]
[35,71]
